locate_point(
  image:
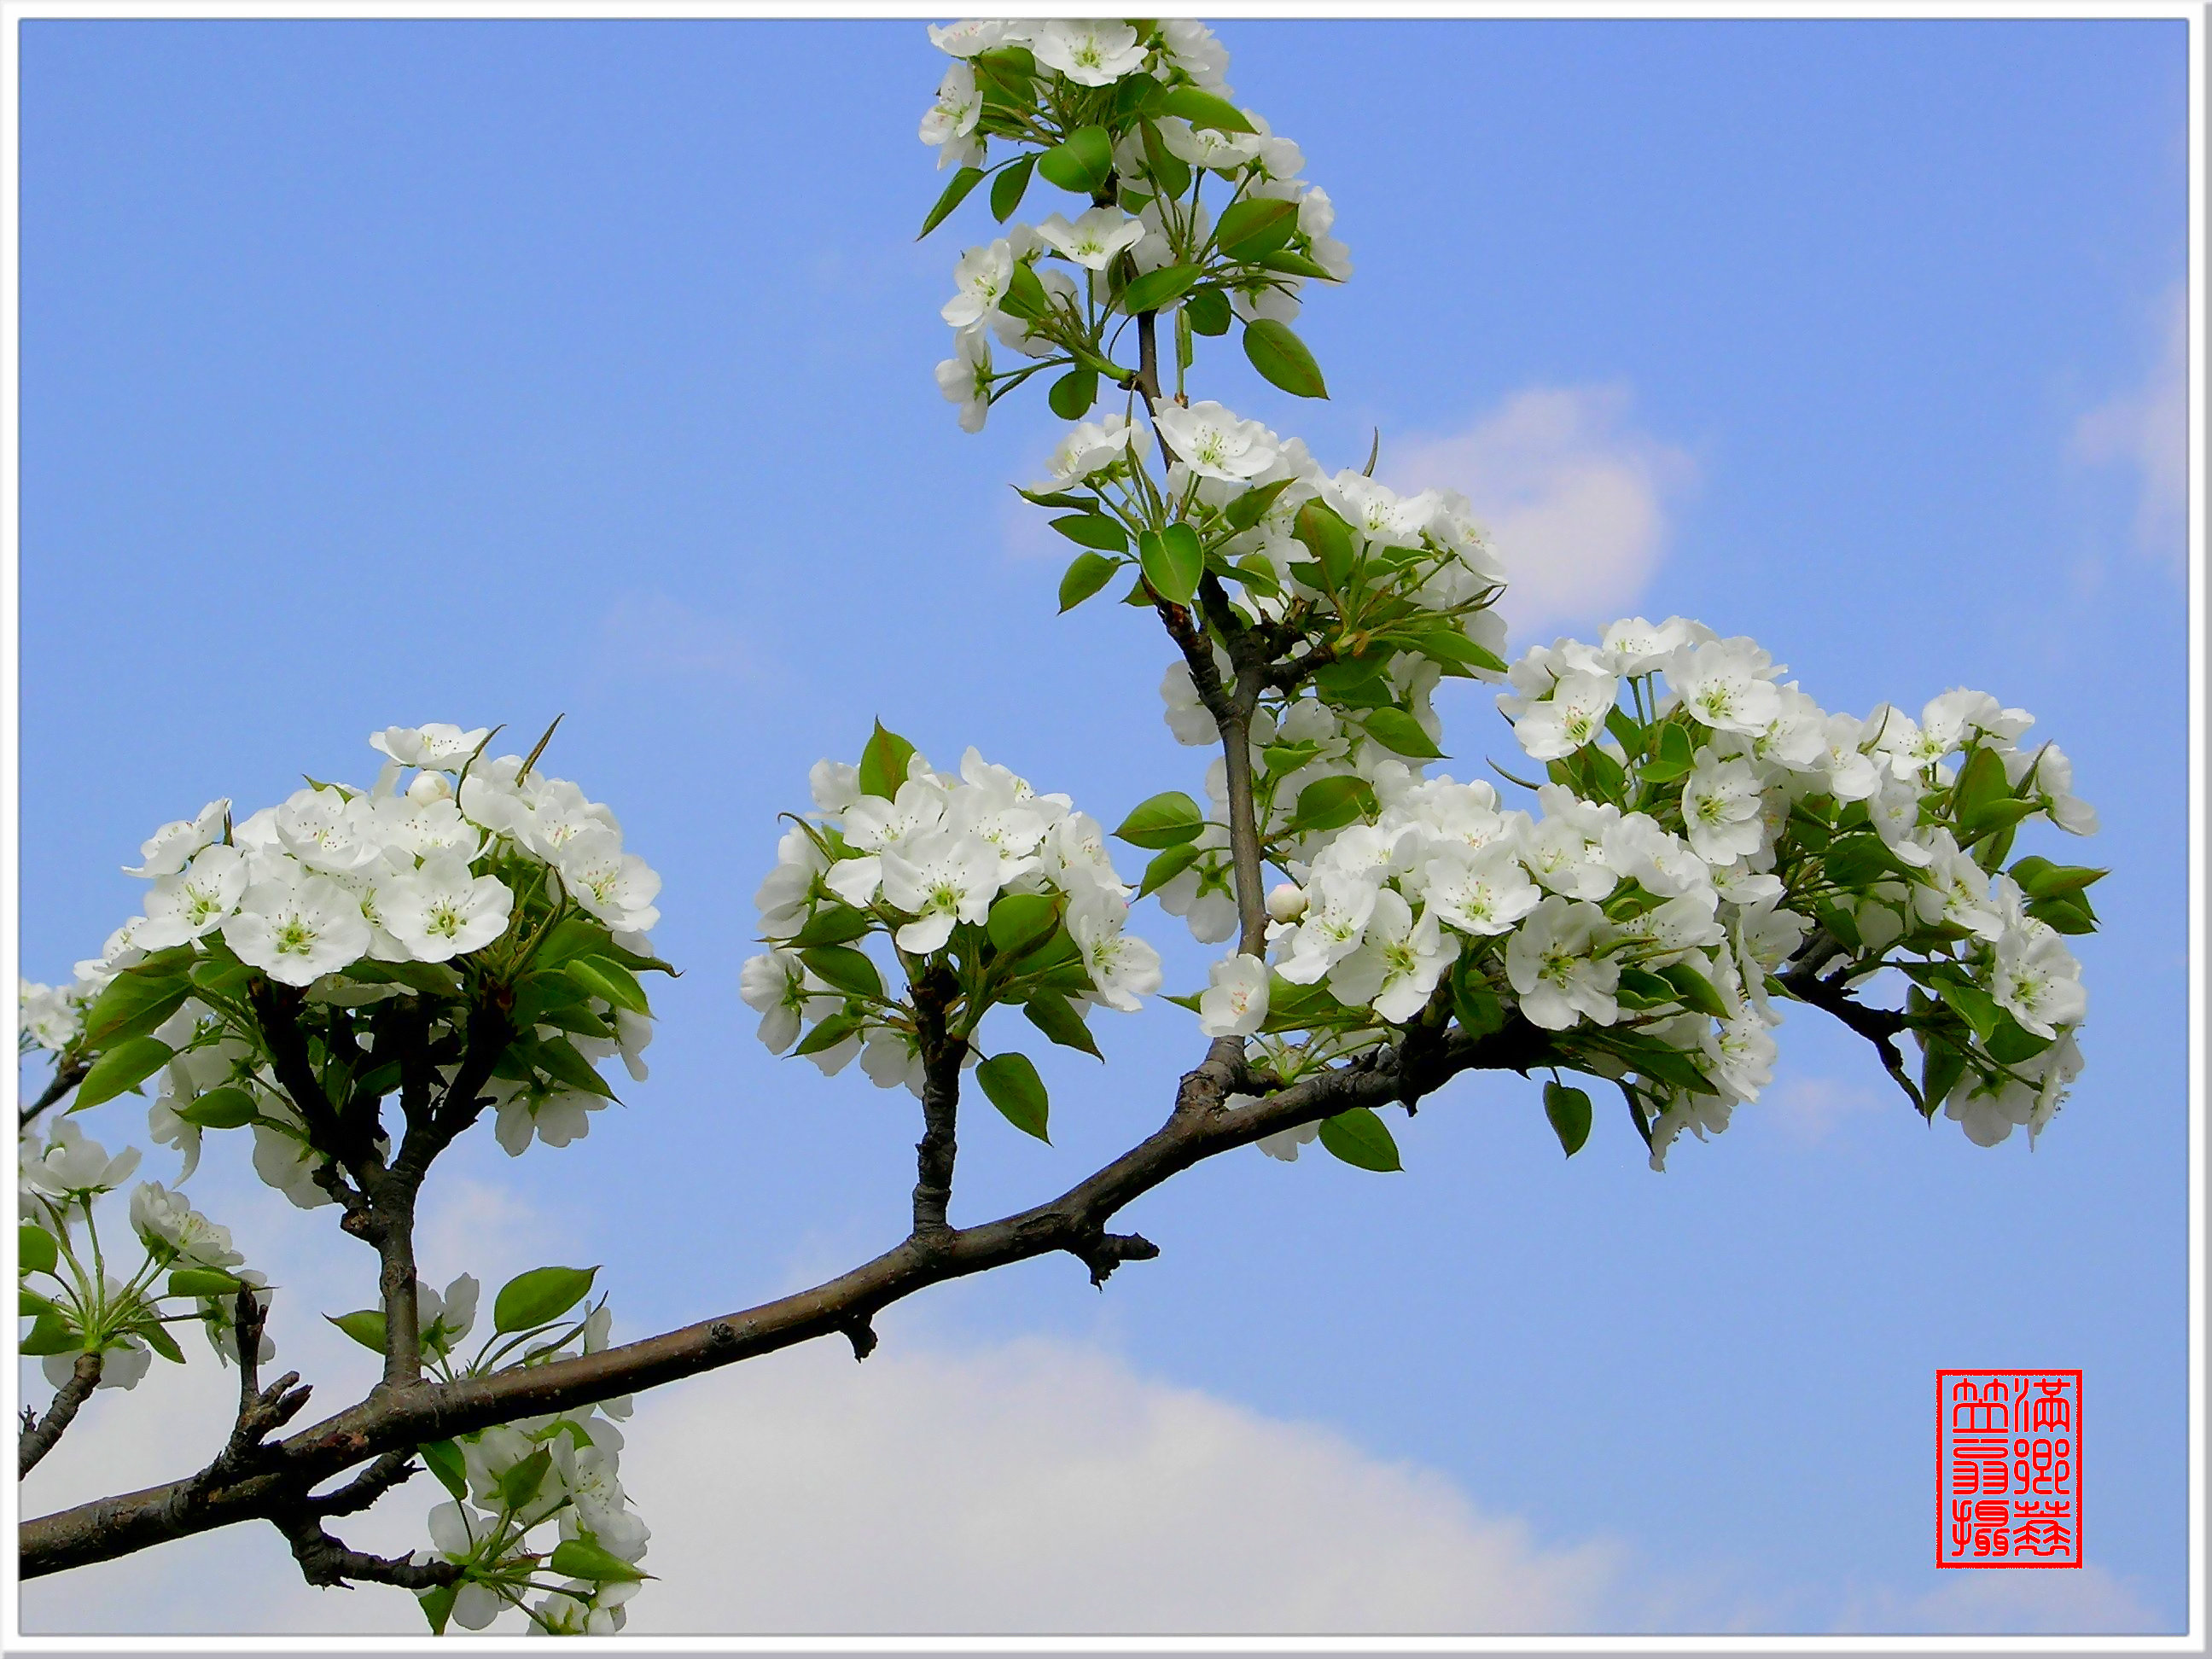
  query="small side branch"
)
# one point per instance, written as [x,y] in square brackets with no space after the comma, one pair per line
[39,1436]
[65,1078]
[1879,1026]
[942,1053]
[328,1565]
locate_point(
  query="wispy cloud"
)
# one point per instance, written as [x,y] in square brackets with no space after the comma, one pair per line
[1575,495]
[649,633]
[2145,430]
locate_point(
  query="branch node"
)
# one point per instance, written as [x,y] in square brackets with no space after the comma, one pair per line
[861,1334]
[1102,1252]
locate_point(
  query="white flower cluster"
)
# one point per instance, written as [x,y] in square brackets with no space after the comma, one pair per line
[514,1480]
[1158,221]
[1583,915]
[918,864]
[337,874]
[89,1308]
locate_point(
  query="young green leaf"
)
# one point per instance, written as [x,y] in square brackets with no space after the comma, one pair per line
[1086,576]
[123,1066]
[36,1251]
[203,1281]
[1210,314]
[1073,394]
[539,1297]
[1013,1084]
[1203,109]
[1020,922]
[954,194]
[843,968]
[228,1108]
[366,1328]
[1166,820]
[883,762]
[1330,804]
[520,1483]
[1694,990]
[1569,1111]
[561,1060]
[443,1459]
[573,1557]
[1156,288]
[833,924]
[1361,1139]
[1402,734]
[1080,162]
[1255,225]
[827,1036]
[1009,188]
[1282,358]
[1328,539]
[1172,562]
[437,1605]
[1458,654]
[609,981]
[1093,530]
[1167,866]
[1055,1016]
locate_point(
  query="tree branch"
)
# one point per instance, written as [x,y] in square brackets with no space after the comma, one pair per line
[65,1078]
[942,1053]
[328,1565]
[1879,1026]
[38,1437]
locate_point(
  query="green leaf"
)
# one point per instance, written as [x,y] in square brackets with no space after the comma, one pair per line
[1296,265]
[573,1557]
[1457,653]
[51,1333]
[955,193]
[560,1060]
[443,1459]
[1203,109]
[1402,734]
[1694,990]
[1011,1082]
[1993,816]
[1856,861]
[1093,530]
[1677,756]
[1361,1139]
[1167,866]
[2013,1042]
[2038,878]
[437,1606]
[159,1340]
[1360,682]
[1330,804]
[539,1297]
[203,1281]
[1569,1111]
[122,1067]
[521,1483]
[1981,780]
[36,1250]
[1024,296]
[1256,226]
[1639,988]
[1942,1065]
[1168,170]
[1010,186]
[827,1036]
[1020,922]
[432,979]
[608,980]
[1282,358]
[833,924]
[1172,562]
[134,1004]
[1006,74]
[1073,394]
[1080,162]
[30,1304]
[228,1108]
[1249,508]
[1156,288]
[884,763]
[1974,1006]
[1088,574]
[1328,539]
[1056,1018]
[2070,913]
[1209,312]
[1166,820]
[844,969]
[366,1328]
[1474,1004]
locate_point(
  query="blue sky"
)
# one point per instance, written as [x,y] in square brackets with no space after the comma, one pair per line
[379,371]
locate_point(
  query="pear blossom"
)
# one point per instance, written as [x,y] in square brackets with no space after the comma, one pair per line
[1235,1000]
[2038,979]
[297,926]
[170,847]
[616,887]
[1122,967]
[436,746]
[441,911]
[1551,961]
[1725,684]
[1399,959]
[1095,240]
[981,279]
[70,1165]
[940,879]
[1720,809]
[964,378]
[1571,716]
[1478,891]
[1214,443]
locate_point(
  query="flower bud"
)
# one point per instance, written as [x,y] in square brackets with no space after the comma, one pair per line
[1287,902]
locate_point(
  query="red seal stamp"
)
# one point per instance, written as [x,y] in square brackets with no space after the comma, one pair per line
[2009,1468]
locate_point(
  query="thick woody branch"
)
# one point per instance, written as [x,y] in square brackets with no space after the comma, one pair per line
[66,1077]
[39,1436]
[1879,1026]
[942,1053]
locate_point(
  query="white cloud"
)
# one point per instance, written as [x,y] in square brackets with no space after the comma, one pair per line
[2147,429]
[2087,1600]
[651,634]
[1812,1108]
[1575,496]
[1045,1486]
